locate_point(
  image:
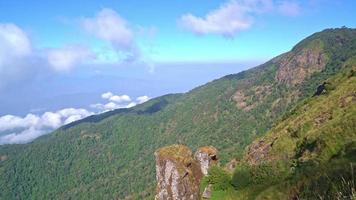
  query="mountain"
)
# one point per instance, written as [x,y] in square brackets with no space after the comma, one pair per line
[110,156]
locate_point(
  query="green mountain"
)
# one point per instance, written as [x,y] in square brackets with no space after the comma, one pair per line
[110,156]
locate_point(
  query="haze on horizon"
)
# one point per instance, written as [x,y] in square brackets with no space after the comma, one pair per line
[60,63]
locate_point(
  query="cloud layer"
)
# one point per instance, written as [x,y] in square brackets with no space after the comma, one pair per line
[22,130]
[235,15]
[15,129]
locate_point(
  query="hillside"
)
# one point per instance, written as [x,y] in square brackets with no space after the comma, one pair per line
[310,154]
[111,155]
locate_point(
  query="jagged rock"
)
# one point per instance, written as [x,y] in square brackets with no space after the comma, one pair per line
[207,192]
[206,156]
[178,174]
[258,151]
[295,67]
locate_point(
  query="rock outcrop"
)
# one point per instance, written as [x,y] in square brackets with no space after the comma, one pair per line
[207,192]
[178,174]
[258,151]
[206,156]
[298,65]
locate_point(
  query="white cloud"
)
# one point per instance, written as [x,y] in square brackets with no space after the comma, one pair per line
[234,16]
[111,106]
[119,99]
[22,130]
[227,20]
[63,59]
[73,118]
[16,52]
[130,105]
[142,99]
[51,120]
[107,95]
[115,98]
[109,26]
[17,129]
[14,43]
[11,122]
[24,136]
[20,61]
[115,102]
[289,8]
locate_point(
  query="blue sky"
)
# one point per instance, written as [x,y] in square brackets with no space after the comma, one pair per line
[59,58]
[53,24]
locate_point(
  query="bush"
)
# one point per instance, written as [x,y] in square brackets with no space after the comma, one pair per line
[270,173]
[242,176]
[263,174]
[219,178]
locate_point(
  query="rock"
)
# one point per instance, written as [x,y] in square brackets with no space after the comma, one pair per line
[231,165]
[207,192]
[3,158]
[206,156]
[258,151]
[294,67]
[178,174]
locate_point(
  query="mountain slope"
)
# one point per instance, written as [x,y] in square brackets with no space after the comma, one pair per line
[310,154]
[111,155]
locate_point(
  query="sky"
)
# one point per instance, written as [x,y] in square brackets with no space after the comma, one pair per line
[64,60]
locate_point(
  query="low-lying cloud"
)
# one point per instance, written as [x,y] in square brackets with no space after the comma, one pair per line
[17,130]
[25,129]
[117,101]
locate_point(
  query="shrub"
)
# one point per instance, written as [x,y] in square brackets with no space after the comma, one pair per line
[263,174]
[242,176]
[219,178]
[270,173]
